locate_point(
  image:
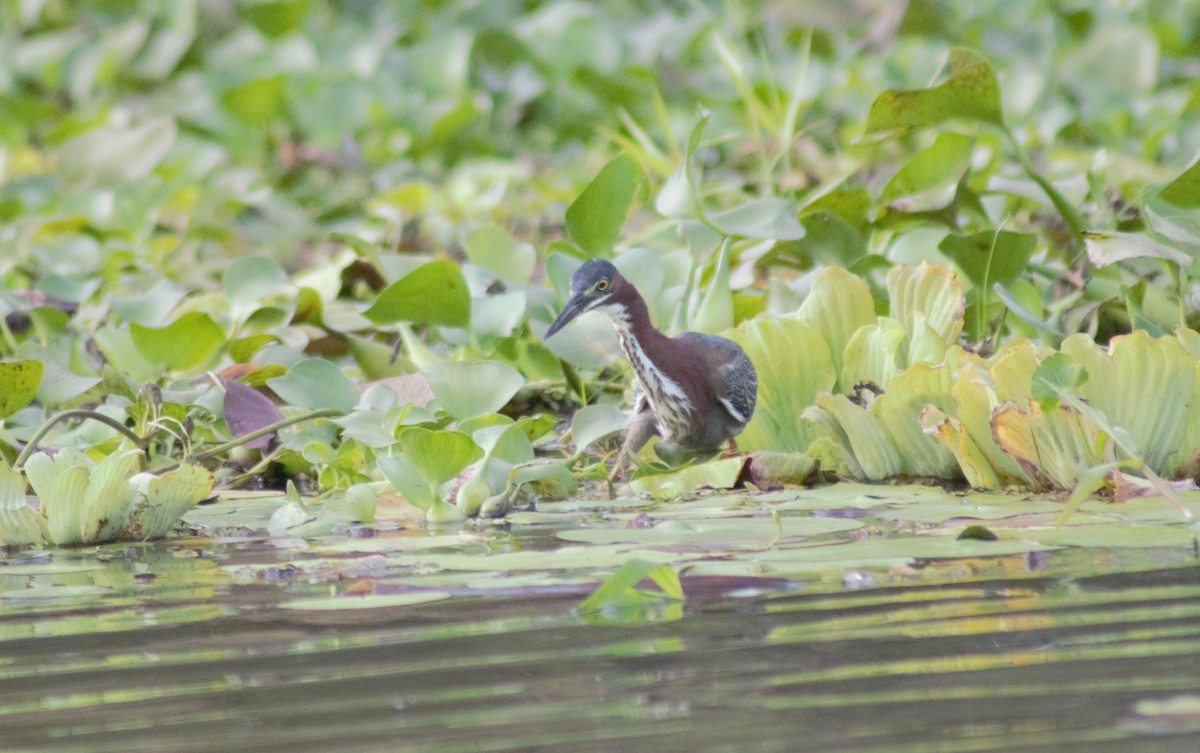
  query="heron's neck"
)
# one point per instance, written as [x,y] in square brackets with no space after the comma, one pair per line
[632,320]
[639,339]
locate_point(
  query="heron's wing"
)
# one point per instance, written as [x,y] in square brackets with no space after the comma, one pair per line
[735,381]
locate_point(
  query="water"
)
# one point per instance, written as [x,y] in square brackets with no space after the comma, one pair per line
[175,647]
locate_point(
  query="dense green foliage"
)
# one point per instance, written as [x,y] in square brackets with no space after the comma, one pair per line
[323,199]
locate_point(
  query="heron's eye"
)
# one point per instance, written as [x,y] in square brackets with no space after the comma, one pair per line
[602,286]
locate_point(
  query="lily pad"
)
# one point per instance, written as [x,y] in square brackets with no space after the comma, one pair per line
[369,601]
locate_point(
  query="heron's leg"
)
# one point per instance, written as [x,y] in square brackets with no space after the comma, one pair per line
[642,426]
[730,449]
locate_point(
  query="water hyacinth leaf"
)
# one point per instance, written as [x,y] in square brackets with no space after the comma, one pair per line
[163,500]
[507,443]
[499,314]
[151,307]
[771,218]
[433,293]
[971,92]
[109,499]
[593,422]
[469,388]
[928,180]
[242,349]
[258,101]
[19,384]
[678,196]
[20,524]
[191,341]
[715,312]
[402,474]
[247,410]
[438,456]
[1184,190]
[316,383]
[794,366]
[620,591]
[1111,247]
[594,220]
[495,250]
[249,279]
[116,154]
[472,493]
[275,18]
[547,479]
[990,256]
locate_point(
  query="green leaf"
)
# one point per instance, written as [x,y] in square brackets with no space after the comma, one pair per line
[715,312]
[1184,190]
[928,180]
[1054,373]
[191,341]
[438,456]
[274,18]
[548,479]
[771,218]
[19,383]
[593,422]
[116,154]
[620,591]
[316,383]
[151,307]
[971,92]
[433,293]
[401,473]
[257,102]
[1111,247]
[678,197]
[595,218]
[716,474]
[990,256]
[495,250]
[471,388]
[249,279]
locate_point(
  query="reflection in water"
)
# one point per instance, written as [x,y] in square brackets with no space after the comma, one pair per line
[155,648]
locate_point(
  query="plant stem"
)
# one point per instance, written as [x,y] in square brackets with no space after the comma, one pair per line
[67,415]
[239,441]
[1069,213]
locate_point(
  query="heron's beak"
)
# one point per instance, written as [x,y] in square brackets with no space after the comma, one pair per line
[578,304]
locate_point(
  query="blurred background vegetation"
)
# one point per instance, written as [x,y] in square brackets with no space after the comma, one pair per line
[188,185]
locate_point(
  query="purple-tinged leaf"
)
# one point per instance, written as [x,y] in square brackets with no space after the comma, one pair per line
[248,410]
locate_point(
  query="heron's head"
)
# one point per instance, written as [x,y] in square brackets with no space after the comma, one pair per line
[594,285]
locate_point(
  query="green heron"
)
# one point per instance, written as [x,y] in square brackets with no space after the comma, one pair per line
[697,391]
